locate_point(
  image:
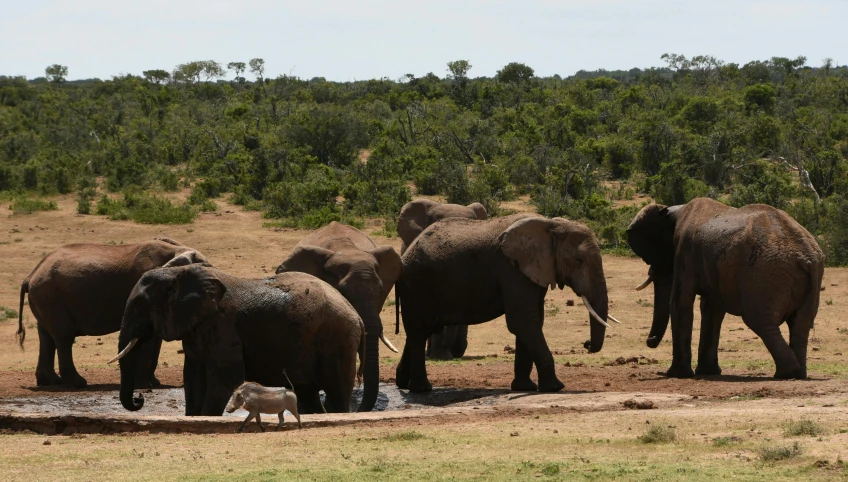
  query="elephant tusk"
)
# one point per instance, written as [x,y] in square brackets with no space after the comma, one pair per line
[388,343]
[645,283]
[124,351]
[610,317]
[593,313]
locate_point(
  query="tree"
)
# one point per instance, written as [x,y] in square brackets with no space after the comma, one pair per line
[514,73]
[238,67]
[156,76]
[459,70]
[56,73]
[257,68]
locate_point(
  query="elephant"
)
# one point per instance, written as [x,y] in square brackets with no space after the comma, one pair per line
[364,273]
[81,290]
[235,330]
[755,262]
[469,271]
[414,217]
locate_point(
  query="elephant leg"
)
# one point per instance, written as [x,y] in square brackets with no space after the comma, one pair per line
[337,401]
[682,304]
[417,370]
[438,344]
[221,381]
[523,367]
[711,319]
[147,360]
[767,327]
[67,370]
[402,370]
[799,334]
[460,342]
[45,374]
[308,399]
[194,387]
[525,322]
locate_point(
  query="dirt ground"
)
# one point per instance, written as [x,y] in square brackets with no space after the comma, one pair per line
[236,241]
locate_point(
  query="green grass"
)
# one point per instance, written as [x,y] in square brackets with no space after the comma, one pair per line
[726,441]
[404,436]
[803,428]
[658,434]
[314,220]
[23,205]
[145,209]
[7,313]
[776,453]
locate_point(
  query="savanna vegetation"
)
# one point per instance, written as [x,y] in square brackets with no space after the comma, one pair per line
[310,151]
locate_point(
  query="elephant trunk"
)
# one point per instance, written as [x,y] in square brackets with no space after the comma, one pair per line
[597,331]
[662,299]
[128,374]
[371,377]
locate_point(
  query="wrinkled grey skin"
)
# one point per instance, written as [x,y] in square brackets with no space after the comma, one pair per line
[465,271]
[81,290]
[363,272]
[235,329]
[414,218]
[257,399]
[755,262]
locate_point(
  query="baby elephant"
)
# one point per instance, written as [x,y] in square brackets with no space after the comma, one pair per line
[257,399]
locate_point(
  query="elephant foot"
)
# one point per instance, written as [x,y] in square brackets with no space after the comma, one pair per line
[401,379]
[523,385]
[74,381]
[551,386]
[677,371]
[155,383]
[419,386]
[708,369]
[789,374]
[47,379]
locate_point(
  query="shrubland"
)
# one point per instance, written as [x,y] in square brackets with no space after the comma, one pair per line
[306,152]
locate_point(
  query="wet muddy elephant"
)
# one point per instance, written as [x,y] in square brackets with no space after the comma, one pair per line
[755,262]
[465,271]
[235,330]
[414,218]
[81,290]
[363,272]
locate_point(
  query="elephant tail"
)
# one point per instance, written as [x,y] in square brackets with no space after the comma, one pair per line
[810,306]
[21,333]
[397,312]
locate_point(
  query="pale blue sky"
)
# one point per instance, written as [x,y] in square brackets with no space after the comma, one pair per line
[363,39]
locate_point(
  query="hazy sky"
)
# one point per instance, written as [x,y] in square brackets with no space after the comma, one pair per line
[363,39]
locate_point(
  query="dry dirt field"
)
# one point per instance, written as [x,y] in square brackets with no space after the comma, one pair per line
[741,424]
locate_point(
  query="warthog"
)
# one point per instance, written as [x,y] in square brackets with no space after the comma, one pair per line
[257,399]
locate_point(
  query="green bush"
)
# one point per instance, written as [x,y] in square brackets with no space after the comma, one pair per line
[657,434]
[145,209]
[23,205]
[7,313]
[803,428]
[776,453]
[84,198]
[315,219]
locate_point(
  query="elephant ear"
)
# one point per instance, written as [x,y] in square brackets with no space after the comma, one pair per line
[529,244]
[308,259]
[186,258]
[389,267]
[479,211]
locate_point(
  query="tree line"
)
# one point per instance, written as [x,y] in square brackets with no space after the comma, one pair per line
[306,152]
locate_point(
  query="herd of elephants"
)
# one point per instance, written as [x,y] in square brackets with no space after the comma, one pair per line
[456,268]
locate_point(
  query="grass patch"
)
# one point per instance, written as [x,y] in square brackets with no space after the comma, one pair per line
[315,219]
[390,302]
[145,209]
[803,428]
[7,313]
[726,441]
[776,453]
[404,436]
[657,434]
[23,205]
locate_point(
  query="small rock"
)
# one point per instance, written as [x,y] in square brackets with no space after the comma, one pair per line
[607,384]
[827,405]
[514,434]
[46,442]
[164,363]
[569,302]
[556,431]
[815,348]
[639,405]
[834,284]
[509,349]
[180,351]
